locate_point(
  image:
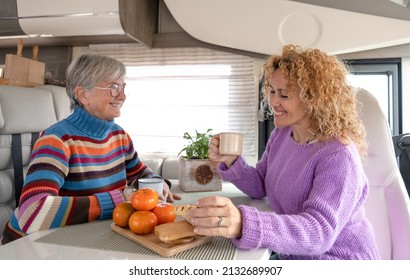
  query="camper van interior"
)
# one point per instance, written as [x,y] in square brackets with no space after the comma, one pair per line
[194,65]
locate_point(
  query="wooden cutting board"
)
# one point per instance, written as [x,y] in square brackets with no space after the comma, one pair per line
[150,241]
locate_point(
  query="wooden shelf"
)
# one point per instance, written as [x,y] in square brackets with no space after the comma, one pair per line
[8,82]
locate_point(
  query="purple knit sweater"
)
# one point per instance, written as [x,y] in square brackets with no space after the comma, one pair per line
[316,192]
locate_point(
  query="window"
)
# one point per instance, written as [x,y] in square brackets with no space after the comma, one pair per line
[381,79]
[172,91]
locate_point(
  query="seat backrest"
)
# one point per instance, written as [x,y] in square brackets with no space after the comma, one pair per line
[388,205]
[24,111]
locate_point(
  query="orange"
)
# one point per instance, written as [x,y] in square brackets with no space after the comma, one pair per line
[142,222]
[144,199]
[121,214]
[164,213]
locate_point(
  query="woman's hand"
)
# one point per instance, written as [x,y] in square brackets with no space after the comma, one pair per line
[168,196]
[214,154]
[216,216]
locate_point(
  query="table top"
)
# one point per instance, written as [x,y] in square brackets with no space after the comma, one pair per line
[28,248]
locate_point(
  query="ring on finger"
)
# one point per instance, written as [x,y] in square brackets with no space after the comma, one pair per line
[221,221]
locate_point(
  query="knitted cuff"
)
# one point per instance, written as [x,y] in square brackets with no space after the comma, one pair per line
[116,197]
[232,173]
[106,205]
[251,229]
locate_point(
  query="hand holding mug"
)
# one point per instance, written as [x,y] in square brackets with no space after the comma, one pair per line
[225,147]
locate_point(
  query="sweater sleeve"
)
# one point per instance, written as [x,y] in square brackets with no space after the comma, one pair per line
[244,177]
[41,207]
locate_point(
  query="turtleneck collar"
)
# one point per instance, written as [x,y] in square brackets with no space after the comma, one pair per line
[89,124]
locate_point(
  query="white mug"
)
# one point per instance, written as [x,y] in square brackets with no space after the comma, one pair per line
[230,143]
[156,184]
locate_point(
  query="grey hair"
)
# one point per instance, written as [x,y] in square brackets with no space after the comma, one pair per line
[89,69]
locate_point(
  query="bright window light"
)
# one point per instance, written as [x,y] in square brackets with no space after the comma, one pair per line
[171,91]
[165,102]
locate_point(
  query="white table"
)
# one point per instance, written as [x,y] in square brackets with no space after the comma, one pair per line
[27,248]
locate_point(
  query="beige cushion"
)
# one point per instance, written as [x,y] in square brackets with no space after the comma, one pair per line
[154,163]
[61,100]
[170,168]
[25,110]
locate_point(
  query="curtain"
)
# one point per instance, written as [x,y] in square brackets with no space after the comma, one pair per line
[175,90]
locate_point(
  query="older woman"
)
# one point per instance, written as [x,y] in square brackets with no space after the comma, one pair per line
[311,171]
[80,165]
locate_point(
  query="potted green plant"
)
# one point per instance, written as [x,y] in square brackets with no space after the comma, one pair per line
[196,171]
[198,146]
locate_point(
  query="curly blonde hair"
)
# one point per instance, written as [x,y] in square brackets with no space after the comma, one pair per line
[324,91]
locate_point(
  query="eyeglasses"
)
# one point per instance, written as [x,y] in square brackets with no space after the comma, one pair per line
[115,89]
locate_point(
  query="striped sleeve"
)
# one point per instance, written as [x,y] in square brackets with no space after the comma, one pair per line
[40,205]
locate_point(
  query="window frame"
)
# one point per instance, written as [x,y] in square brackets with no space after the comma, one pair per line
[390,67]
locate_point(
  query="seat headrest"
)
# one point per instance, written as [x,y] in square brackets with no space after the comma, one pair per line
[60,99]
[25,110]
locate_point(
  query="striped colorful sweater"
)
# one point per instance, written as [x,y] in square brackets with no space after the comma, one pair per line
[78,168]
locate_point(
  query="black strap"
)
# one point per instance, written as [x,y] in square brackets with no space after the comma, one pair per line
[17,165]
[17,153]
[404,144]
[34,138]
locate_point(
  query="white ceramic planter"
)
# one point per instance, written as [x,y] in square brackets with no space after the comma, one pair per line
[198,175]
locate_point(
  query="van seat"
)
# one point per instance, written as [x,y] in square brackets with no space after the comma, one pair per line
[388,205]
[24,111]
